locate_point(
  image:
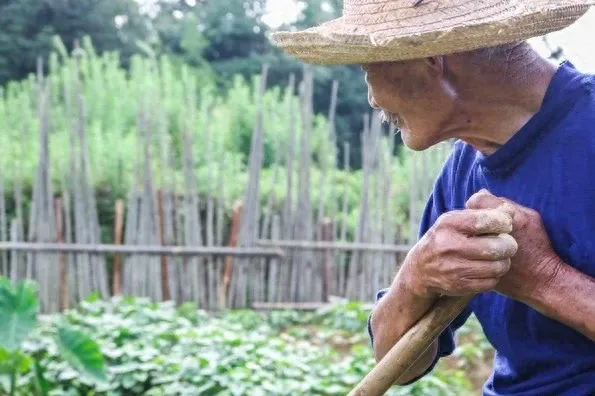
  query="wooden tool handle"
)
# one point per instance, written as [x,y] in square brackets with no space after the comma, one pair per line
[410,347]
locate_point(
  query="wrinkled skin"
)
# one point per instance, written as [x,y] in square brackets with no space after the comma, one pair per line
[494,244]
[535,264]
[465,252]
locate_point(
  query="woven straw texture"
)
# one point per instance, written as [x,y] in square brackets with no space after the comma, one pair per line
[392,30]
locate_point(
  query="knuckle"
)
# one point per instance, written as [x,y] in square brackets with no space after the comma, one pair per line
[503,267]
[475,200]
[445,220]
[506,246]
[532,213]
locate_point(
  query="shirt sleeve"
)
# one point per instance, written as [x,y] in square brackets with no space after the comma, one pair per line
[435,206]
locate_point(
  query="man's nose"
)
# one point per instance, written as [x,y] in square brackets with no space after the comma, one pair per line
[371,100]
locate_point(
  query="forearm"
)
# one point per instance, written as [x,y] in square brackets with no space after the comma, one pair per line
[568,298]
[396,312]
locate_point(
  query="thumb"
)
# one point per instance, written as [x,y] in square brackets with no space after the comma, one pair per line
[483,199]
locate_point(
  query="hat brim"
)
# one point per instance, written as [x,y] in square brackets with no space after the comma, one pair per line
[335,42]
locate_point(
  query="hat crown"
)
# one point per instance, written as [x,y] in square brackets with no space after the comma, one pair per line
[412,13]
[372,31]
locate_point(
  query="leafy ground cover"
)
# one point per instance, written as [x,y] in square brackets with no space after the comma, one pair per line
[159,349]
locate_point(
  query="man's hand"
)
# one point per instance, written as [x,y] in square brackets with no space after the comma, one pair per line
[465,252]
[535,264]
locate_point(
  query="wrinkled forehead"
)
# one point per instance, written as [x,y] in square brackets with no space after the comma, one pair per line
[389,67]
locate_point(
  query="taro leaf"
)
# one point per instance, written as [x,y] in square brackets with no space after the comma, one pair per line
[81,352]
[18,314]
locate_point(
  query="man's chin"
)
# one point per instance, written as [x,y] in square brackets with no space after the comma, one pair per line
[414,143]
[411,142]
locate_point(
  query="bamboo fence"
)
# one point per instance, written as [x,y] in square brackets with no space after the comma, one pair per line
[173,243]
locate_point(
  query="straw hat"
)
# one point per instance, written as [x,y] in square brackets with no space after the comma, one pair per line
[392,30]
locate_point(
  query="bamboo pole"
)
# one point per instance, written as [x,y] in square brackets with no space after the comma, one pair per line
[410,347]
[211,266]
[117,276]
[285,272]
[14,257]
[343,267]
[274,289]
[248,233]
[341,246]
[201,251]
[220,223]
[326,235]
[61,258]
[165,294]
[233,241]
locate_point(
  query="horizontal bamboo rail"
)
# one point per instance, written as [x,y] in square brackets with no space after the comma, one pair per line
[298,306]
[138,249]
[341,246]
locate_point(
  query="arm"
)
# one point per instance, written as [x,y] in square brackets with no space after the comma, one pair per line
[567,287]
[396,312]
[463,253]
[538,277]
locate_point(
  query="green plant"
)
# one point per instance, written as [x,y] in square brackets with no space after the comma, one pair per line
[18,319]
[160,349]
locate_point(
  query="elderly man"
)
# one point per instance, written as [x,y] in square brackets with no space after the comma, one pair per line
[523,161]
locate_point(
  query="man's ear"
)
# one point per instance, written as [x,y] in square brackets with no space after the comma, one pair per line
[435,64]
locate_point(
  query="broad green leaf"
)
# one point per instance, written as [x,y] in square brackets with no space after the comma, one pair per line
[81,352]
[18,314]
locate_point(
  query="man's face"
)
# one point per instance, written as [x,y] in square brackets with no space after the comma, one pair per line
[414,96]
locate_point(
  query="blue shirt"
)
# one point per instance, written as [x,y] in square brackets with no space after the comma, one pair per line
[549,165]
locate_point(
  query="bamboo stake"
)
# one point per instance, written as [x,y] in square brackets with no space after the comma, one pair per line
[210,232]
[233,241]
[61,258]
[410,347]
[117,276]
[14,238]
[248,232]
[288,210]
[302,273]
[343,232]
[165,294]
[326,235]
[274,289]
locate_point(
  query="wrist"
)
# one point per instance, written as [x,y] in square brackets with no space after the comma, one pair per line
[409,280]
[554,269]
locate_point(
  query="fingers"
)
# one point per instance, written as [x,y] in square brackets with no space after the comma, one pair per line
[477,222]
[485,200]
[485,269]
[490,247]
[468,276]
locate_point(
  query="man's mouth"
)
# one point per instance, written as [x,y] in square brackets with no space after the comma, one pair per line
[390,118]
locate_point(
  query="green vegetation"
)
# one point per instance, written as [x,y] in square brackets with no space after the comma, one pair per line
[23,368]
[158,349]
[175,99]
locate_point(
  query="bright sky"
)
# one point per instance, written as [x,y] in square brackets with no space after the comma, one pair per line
[574,40]
[281,11]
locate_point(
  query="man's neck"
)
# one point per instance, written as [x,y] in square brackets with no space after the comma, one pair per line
[493,110]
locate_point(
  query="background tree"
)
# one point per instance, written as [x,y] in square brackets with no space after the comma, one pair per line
[28,27]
